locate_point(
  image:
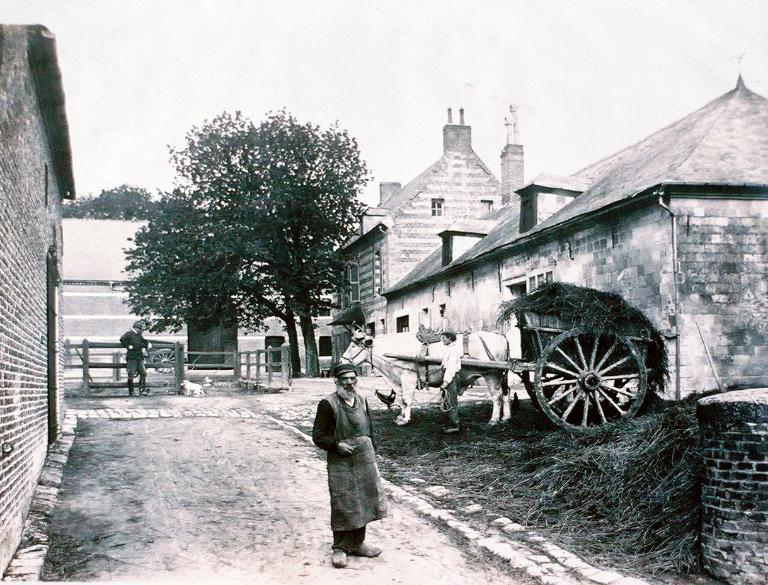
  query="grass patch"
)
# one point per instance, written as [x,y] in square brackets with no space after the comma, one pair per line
[626,496]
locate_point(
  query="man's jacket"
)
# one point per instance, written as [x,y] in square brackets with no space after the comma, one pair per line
[134,342]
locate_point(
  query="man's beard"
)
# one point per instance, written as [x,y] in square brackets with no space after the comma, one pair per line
[344,393]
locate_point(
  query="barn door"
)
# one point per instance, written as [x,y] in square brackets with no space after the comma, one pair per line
[52,300]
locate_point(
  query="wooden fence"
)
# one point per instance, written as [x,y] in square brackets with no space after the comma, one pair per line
[259,367]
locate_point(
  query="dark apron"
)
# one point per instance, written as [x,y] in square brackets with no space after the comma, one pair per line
[357,496]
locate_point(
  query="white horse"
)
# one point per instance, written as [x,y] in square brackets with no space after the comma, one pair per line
[407,375]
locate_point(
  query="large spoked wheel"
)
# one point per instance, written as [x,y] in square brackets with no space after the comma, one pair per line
[164,361]
[584,380]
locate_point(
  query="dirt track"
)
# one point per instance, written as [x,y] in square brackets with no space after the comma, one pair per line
[242,499]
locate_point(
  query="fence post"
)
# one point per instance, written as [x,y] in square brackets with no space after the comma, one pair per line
[67,354]
[86,372]
[287,364]
[268,358]
[178,354]
[116,364]
[258,367]
[236,365]
[248,365]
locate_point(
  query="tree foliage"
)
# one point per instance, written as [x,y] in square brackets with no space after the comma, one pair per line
[253,227]
[124,202]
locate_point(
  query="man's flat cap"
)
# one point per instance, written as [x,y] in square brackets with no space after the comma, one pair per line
[345,369]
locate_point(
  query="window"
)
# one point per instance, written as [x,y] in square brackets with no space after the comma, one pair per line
[324,346]
[442,311]
[487,205]
[324,312]
[527,212]
[371,328]
[401,324]
[537,280]
[516,290]
[438,206]
[425,318]
[377,273]
[353,279]
[382,325]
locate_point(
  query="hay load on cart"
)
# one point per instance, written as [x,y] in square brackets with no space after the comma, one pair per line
[595,357]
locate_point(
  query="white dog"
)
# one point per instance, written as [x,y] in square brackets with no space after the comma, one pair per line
[191,389]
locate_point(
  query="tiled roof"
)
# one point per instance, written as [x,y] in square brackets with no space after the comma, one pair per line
[94,248]
[723,143]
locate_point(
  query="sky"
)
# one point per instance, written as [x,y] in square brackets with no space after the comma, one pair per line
[588,77]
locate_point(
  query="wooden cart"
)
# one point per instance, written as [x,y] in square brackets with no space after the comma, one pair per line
[577,379]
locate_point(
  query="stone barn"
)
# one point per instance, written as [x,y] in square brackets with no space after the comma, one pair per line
[35,175]
[677,224]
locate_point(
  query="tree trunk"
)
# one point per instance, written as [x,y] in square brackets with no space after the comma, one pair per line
[312,363]
[293,342]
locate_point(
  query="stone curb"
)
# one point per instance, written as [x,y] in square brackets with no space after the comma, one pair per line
[528,553]
[27,562]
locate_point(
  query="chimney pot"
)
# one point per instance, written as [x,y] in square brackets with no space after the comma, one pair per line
[461,116]
[450,116]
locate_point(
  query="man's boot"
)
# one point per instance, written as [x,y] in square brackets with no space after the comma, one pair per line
[339,559]
[131,389]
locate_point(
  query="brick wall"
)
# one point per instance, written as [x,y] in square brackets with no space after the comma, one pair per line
[29,228]
[734,532]
[723,252]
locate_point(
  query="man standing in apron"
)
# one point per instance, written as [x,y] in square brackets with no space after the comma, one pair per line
[343,428]
[451,386]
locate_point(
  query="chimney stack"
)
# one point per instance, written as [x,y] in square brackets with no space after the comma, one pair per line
[457,137]
[387,190]
[511,162]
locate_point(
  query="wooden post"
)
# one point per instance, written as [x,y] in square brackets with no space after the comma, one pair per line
[269,365]
[236,365]
[287,364]
[86,372]
[248,365]
[67,354]
[258,368]
[116,369]
[178,353]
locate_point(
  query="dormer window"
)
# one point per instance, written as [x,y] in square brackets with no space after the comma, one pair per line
[487,205]
[438,206]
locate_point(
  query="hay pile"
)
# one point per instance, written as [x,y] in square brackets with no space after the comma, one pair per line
[626,496]
[594,311]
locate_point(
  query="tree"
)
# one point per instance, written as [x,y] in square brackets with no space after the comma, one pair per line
[124,202]
[252,228]
[310,180]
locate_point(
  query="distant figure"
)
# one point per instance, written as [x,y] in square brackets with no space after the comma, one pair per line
[344,429]
[451,385]
[133,341]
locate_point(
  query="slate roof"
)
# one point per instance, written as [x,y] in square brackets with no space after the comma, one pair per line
[723,143]
[94,248]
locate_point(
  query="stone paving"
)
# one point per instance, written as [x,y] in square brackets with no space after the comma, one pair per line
[528,554]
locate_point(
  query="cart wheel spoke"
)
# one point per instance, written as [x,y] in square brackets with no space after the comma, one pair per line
[559,396]
[565,355]
[618,391]
[572,405]
[600,409]
[610,401]
[563,370]
[607,354]
[594,352]
[585,414]
[558,382]
[615,365]
[581,353]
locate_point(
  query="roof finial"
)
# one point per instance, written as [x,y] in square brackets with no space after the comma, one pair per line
[511,124]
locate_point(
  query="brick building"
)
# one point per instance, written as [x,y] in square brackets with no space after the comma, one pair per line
[35,174]
[677,224]
[400,232]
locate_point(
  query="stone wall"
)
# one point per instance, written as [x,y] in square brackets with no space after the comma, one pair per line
[734,532]
[723,253]
[627,254]
[30,227]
